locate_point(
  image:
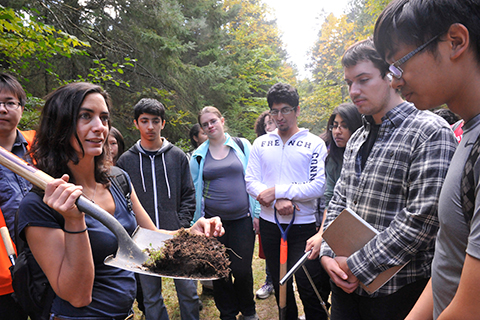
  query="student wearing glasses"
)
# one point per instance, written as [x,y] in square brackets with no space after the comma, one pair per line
[446,71]
[12,187]
[218,172]
[393,170]
[286,170]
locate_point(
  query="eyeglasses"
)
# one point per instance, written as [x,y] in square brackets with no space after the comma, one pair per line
[212,122]
[337,126]
[284,111]
[12,105]
[395,69]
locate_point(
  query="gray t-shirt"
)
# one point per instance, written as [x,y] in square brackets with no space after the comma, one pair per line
[454,236]
[224,188]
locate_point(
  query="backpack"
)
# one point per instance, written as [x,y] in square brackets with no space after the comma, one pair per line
[31,287]
[237,140]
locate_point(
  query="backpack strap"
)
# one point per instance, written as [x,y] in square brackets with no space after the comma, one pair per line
[468,183]
[239,142]
[118,177]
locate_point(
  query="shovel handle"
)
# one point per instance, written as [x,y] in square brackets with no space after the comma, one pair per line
[24,169]
[41,179]
[7,241]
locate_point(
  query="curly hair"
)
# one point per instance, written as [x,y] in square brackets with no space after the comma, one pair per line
[260,123]
[51,150]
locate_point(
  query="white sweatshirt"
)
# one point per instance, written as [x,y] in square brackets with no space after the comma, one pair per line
[296,169]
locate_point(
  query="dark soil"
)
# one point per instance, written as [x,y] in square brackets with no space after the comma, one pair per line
[190,255]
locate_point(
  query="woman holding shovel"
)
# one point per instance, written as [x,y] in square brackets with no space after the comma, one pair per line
[71,145]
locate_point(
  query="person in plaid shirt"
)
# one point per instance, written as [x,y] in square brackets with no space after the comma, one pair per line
[393,170]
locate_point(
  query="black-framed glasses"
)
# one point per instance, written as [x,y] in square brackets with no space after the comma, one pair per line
[12,105]
[395,69]
[337,126]
[284,111]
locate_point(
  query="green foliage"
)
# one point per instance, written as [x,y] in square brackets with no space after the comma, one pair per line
[327,89]
[26,41]
[31,113]
[103,73]
[184,144]
[185,53]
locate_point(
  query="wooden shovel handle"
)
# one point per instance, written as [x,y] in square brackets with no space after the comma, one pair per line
[24,169]
[7,241]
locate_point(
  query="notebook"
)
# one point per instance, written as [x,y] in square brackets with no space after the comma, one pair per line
[347,234]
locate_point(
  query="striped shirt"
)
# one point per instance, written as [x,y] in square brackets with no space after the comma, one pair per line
[397,193]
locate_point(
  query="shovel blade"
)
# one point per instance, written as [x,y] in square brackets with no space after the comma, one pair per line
[132,259]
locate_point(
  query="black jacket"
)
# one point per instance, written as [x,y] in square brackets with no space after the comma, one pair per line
[168,195]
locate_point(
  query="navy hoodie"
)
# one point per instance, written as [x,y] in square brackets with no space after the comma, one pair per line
[163,184]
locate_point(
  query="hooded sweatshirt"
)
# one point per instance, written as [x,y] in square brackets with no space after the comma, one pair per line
[296,169]
[162,183]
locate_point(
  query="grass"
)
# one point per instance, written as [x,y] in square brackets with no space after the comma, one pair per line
[266,309]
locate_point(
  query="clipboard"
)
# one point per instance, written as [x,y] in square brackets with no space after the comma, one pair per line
[349,233]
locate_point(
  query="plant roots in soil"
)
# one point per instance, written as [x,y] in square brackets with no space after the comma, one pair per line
[189,255]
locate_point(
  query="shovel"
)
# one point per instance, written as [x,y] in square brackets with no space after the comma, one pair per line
[130,254]
[282,295]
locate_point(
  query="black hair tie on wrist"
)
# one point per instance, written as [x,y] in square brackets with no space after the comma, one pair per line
[75,232]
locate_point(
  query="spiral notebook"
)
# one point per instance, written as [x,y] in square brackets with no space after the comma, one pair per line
[347,234]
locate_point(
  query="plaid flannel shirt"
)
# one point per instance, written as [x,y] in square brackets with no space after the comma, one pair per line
[397,193]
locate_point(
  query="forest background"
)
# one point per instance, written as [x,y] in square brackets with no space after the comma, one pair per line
[186,53]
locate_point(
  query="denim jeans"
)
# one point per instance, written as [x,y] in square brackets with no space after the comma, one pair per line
[296,238]
[153,300]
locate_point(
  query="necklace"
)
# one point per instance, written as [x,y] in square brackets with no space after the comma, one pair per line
[94,193]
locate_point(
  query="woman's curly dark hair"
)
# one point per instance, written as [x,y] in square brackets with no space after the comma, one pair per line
[51,150]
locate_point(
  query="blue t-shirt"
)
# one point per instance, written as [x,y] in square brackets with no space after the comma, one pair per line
[114,289]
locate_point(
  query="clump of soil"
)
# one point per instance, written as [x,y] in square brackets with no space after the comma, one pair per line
[189,255]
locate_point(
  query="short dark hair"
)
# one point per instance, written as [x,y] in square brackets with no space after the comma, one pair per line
[414,22]
[52,149]
[149,106]
[283,93]
[10,83]
[194,131]
[364,50]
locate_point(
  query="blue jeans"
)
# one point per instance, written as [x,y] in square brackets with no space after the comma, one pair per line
[153,300]
[395,306]
[232,297]
[268,277]
[296,238]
